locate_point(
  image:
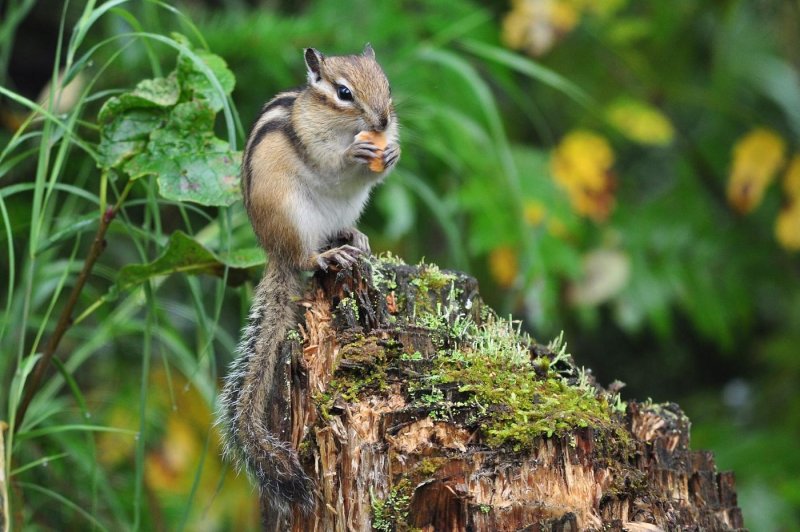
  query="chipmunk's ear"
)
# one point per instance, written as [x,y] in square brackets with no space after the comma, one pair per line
[314,61]
[368,52]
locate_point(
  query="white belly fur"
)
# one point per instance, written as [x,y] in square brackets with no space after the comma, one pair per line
[319,217]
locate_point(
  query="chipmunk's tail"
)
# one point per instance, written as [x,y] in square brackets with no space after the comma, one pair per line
[246,397]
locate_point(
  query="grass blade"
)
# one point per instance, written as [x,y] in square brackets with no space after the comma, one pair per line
[41,461]
[530,68]
[66,502]
[440,211]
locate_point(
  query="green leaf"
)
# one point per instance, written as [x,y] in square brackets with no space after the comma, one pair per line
[165,127]
[124,135]
[243,258]
[73,386]
[39,461]
[127,120]
[185,254]
[195,85]
[161,92]
[56,429]
[18,383]
[78,225]
[190,162]
[148,94]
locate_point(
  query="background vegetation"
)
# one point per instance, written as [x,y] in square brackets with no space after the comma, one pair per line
[628,172]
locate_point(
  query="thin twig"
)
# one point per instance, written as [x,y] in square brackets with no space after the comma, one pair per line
[65,318]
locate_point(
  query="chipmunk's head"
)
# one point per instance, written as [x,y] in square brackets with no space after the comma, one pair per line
[352,85]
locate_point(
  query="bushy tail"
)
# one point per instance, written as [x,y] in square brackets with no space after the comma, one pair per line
[246,396]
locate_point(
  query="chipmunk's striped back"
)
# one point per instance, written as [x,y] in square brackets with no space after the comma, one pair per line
[275,117]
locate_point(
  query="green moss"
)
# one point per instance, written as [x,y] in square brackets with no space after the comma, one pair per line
[428,466]
[386,258]
[365,372]
[391,513]
[430,277]
[305,448]
[515,401]
[415,356]
[363,350]
[351,386]
[324,402]
[628,483]
[349,305]
[507,391]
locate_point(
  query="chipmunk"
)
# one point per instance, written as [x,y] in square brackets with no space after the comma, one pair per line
[306,176]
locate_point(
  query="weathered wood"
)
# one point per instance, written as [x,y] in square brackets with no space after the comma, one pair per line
[387,456]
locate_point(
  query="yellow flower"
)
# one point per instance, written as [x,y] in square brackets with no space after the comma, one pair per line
[787,226]
[791,180]
[582,165]
[640,122]
[503,265]
[756,158]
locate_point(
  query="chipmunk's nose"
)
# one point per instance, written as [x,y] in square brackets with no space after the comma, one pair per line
[383,122]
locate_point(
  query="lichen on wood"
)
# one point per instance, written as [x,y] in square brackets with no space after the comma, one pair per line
[415,407]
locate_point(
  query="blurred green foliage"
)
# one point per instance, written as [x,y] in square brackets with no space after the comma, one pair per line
[585,160]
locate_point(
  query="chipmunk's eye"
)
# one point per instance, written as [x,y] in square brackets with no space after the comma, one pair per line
[344,93]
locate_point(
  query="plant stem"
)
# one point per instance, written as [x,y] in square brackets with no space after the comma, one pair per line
[4,518]
[65,318]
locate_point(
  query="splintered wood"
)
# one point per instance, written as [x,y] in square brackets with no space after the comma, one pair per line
[383,462]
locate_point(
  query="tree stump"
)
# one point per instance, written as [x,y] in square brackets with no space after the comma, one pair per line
[415,407]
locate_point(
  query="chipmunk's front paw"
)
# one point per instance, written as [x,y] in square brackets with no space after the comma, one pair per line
[390,156]
[339,258]
[355,238]
[362,152]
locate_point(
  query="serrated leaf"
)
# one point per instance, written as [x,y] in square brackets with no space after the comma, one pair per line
[165,127]
[190,166]
[185,254]
[211,178]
